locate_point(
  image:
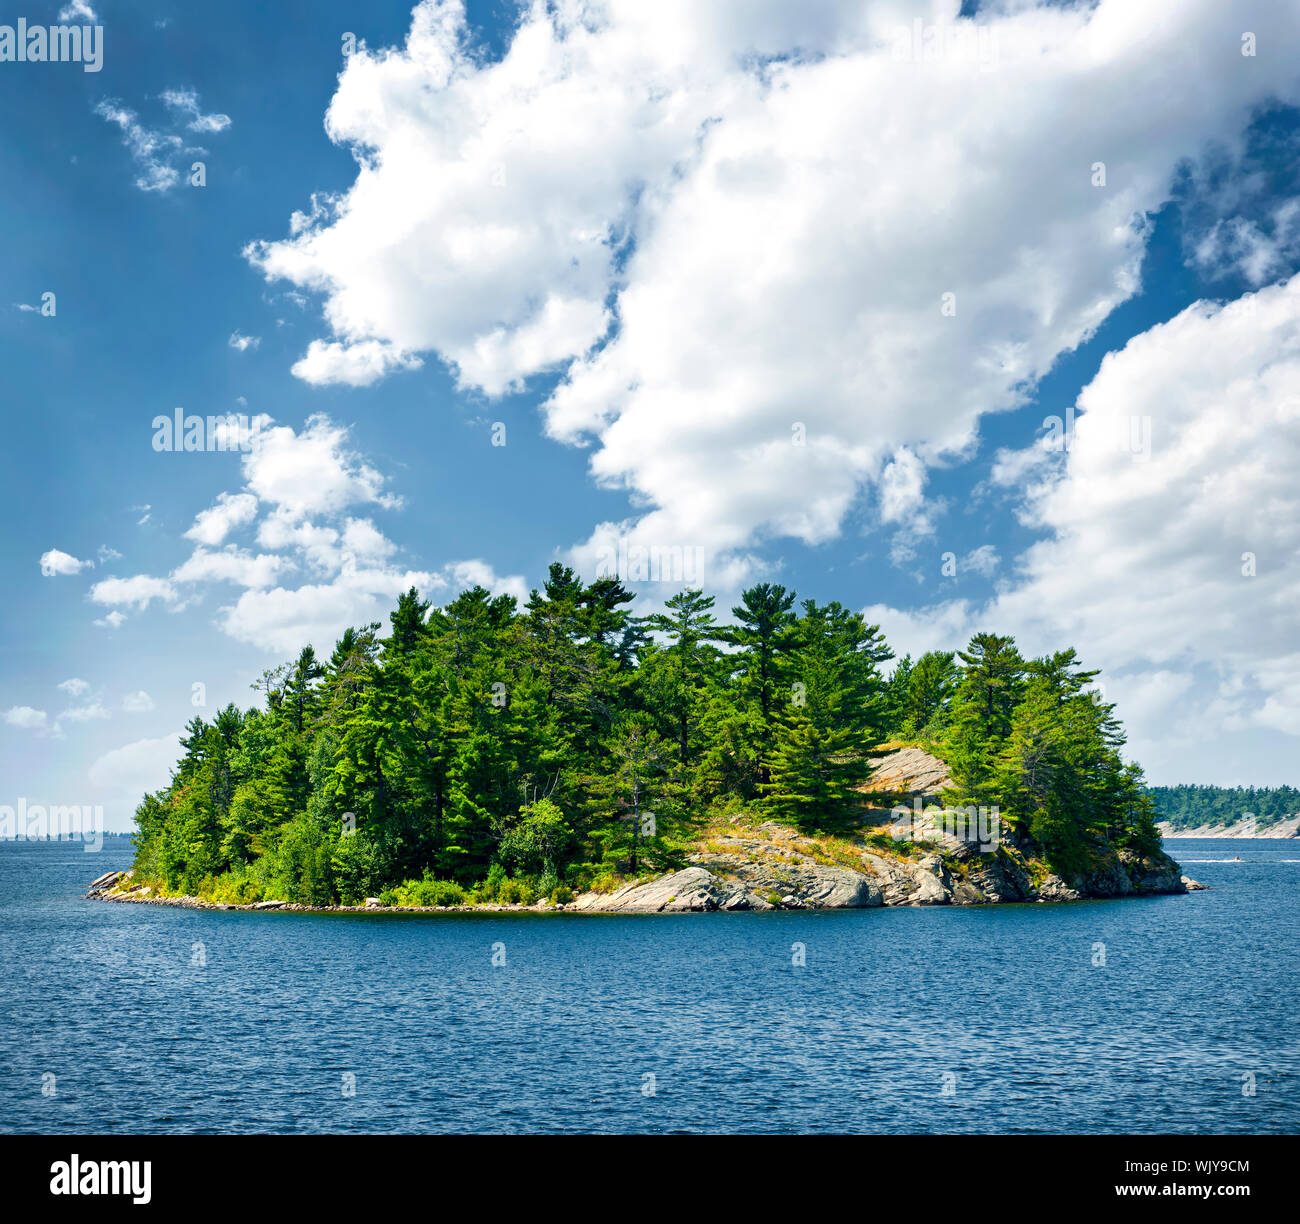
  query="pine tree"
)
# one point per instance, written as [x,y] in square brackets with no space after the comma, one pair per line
[685,665]
[833,721]
[765,635]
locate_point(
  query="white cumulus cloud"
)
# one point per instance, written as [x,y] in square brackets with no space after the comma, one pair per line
[1174,565]
[732,223]
[231,510]
[56,562]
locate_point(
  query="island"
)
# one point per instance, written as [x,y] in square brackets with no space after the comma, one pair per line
[568,755]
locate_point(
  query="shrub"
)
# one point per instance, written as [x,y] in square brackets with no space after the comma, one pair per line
[516,892]
[561,894]
[429,891]
[491,887]
[539,839]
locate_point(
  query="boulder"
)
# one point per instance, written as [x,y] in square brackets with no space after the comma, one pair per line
[692,889]
[932,882]
[1053,888]
[836,888]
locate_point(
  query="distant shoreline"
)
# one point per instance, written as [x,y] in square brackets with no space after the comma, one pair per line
[1239,830]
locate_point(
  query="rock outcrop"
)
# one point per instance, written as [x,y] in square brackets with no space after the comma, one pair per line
[732,884]
[775,866]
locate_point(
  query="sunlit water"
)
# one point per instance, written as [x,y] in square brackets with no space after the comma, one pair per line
[902,1020]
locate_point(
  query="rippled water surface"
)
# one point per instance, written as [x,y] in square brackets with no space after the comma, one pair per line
[902,1020]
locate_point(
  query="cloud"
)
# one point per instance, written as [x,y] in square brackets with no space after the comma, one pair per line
[137,703]
[1175,567]
[74,687]
[283,620]
[26,718]
[230,511]
[77,10]
[231,565]
[983,560]
[243,343]
[137,592]
[312,472]
[56,562]
[85,713]
[185,102]
[903,502]
[113,620]
[306,482]
[127,773]
[156,151]
[1256,251]
[104,553]
[151,150]
[357,365]
[720,227]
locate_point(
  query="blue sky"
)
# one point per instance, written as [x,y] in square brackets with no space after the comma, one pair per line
[654,246]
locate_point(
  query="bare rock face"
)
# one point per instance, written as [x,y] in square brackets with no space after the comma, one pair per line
[693,889]
[751,886]
[1000,878]
[1151,874]
[909,771]
[903,884]
[1193,885]
[104,882]
[835,888]
[1053,888]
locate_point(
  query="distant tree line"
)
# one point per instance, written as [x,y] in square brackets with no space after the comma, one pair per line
[486,750]
[1190,807]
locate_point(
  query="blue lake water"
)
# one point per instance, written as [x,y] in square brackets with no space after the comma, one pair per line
[902,1020]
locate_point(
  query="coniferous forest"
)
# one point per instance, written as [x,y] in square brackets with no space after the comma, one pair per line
[1189,807]
[486,752]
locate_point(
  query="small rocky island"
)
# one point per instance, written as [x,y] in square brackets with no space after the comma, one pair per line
[769,865]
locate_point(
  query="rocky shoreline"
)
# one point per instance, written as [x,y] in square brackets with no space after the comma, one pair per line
[1240,829]
[697,889]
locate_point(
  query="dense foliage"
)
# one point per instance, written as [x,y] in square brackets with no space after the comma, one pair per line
[485,750]
[1190,807]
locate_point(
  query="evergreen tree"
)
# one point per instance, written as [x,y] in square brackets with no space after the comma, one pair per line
[681,672]
[765,635]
